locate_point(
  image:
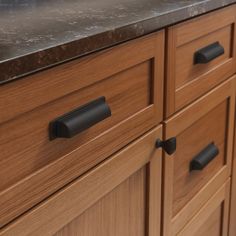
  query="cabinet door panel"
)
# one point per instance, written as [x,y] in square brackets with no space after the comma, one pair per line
[212,218]
[121,196]
[121,212]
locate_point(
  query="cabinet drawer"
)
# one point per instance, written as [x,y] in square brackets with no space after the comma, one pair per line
[202,162]
[131,87]
[212,219]
[201,54]
[121,196]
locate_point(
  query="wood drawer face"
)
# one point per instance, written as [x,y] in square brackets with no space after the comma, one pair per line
[121,196]
[37,166]
[188,80]
[212,219]
[205,125]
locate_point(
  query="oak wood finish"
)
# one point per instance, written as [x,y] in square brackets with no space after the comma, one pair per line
[232,225]
[209,119]
[133,88]
[212,219]
[44,87]
[121,212]
[134,173]
[186,81]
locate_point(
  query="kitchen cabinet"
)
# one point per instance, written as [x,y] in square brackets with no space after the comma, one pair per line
[39,164]
[133,140]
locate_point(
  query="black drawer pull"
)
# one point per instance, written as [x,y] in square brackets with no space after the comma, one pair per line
[169,146]
[204,157]
[79,119]
[208,53]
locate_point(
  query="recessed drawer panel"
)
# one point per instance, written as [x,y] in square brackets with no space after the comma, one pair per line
[52,139]
[201,54]
[202,162]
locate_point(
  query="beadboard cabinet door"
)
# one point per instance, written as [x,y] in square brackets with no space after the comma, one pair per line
[120,197]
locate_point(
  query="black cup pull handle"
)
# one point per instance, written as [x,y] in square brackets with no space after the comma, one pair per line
[208,53]
[80,119]
[201,160]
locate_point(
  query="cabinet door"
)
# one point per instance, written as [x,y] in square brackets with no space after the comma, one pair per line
[212,219]
[204,134]
[120,197]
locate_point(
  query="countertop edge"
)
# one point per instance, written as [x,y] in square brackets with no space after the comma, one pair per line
[76,49]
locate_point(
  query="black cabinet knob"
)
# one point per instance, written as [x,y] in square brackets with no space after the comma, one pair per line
[79,119]
[169,146]
[201,160]
[208,53]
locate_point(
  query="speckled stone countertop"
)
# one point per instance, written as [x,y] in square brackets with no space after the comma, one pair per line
[36,34]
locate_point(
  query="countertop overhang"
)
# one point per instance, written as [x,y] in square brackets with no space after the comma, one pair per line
[37,34]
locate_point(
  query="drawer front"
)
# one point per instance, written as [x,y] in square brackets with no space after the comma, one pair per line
[121,196]
[37,162]
[202,162]
[201,55]
[212,219]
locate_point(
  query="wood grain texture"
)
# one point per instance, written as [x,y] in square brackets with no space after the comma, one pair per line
[213,225]
[212,218]
[185,81]
[39,167]
[121,212]
[186,71]
[210,128]
[65,206]
[232,225]
[24,95]
[130,94]
[211,118]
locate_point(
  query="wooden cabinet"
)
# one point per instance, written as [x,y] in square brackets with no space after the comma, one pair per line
[132,86]
[204,127]
[112,178]
[122,196]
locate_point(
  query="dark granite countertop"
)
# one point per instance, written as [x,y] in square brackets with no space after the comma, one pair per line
[35,34]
